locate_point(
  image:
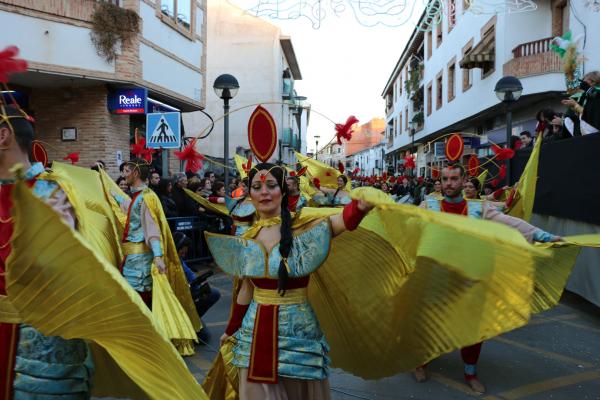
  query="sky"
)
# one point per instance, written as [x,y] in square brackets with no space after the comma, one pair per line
[344,66]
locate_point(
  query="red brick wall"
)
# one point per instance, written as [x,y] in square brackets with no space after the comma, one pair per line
[99,133]
[536,64]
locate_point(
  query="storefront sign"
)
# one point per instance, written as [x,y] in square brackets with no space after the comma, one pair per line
[128,101]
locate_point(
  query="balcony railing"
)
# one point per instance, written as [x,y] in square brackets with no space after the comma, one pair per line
[531,48]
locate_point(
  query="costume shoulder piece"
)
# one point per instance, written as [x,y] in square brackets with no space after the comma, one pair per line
[241,256]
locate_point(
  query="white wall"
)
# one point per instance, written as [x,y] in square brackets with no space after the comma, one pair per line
[62,45]
[249,49]
[591,20]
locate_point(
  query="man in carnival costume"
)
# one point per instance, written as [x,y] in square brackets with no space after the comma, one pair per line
[34,364]
[453,181]
[296,201]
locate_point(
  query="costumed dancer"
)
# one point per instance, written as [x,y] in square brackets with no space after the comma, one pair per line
[453,182]
[333,197]
[437,190]
[277,358]
[296,200]
[141,237]
[34,365]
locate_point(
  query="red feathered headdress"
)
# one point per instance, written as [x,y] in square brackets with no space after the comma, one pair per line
[193,159]
[356,171]
[248,165]
[345,130]
[73,157]
[502,153]
[341,167]
[409,162]
[139,150]
[301,172]
[9,64]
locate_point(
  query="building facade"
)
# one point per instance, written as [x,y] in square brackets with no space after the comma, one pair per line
[265,64]
[444,80]
[69,85]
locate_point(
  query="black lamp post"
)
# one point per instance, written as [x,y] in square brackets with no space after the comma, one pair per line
[317,137]
[226,87]
[508,89]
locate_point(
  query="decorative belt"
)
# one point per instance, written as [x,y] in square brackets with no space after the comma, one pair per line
[135,248]
[271,297]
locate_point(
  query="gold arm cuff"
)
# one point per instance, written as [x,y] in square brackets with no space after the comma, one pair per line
[135,248]
[8,313]
[271,297]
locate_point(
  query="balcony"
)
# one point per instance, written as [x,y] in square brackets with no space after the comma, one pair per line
[533,58]
[287,137]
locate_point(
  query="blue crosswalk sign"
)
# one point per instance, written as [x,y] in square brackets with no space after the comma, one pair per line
[163,130]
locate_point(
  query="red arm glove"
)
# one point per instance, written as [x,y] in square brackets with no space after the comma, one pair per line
[352,215]
[237,316]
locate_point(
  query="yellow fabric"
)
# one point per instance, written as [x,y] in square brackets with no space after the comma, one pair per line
[96,304]
[214,207]
[175,273]
[135,248]
[95,220]
[239,161]
[306,189]
[269,296]
[482,177]
[109,186]
[522,206]
[170,315]
[326,174]
[222,382]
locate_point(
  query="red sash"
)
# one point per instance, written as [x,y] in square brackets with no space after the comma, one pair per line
[454,208]
[264,354]
[293,202]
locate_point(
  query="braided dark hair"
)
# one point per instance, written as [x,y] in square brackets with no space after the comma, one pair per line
[286,241]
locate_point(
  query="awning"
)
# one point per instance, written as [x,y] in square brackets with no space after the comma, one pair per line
[481,55]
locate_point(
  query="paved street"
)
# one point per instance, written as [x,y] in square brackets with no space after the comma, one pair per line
[557,356]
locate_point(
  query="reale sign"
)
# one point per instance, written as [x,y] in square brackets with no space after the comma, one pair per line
[128,101]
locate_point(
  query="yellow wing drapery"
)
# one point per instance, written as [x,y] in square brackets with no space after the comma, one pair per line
[63,287]
[522,206]
[216,208]
[411,284]
[326,174]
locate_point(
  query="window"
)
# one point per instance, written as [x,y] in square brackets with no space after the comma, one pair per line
[439,35]
[429,94]
[467,80]
[400,123]
[180,11]
[406,119]
[451,14]
[429,44]
[438,91]
[451,79]
[489,67]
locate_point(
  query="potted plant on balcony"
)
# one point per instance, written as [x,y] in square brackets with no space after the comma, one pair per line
[111,25]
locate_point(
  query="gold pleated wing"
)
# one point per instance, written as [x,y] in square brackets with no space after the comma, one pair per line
[175,274]
[411,284]
[62,286]
[214,207]
[170,316]
[522,205]
[326,174]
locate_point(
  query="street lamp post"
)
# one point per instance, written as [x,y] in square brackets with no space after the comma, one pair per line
[508,89]
[317,137]
[226,87]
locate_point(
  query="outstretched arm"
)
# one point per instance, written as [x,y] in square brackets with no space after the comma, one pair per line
[122,201]
[350,217]
[530,232]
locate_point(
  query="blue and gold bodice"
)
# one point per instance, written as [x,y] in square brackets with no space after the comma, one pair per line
[136,232]
[241,256]
[239,209]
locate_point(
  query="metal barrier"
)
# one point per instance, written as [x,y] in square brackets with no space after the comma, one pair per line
[194,228]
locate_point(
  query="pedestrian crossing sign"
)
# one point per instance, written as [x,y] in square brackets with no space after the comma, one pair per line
[163,130]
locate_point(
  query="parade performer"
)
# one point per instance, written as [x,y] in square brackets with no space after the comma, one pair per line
[45,353]
[146,242]
[454,184]
[296,200]
[333,197]
[437,190]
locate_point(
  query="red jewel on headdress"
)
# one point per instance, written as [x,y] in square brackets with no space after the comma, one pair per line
[263,177]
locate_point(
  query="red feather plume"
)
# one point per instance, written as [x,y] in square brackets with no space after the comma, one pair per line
[73,157]
[495,182]
[356,171]
[9,64]
[409,162]
[341,167]
[248,165]
[139,150]
[345,130]
[384,176]
[193,159]
[502,153]
[502,172]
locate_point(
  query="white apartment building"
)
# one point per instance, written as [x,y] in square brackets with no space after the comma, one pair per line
[264,63]
[333,154]
[455,67]
[370,161]
[68,87]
